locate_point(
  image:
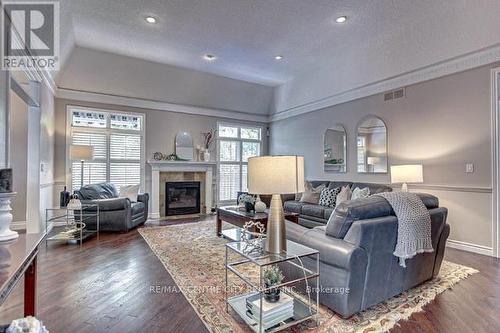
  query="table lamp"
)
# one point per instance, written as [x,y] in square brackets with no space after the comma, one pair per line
[276,175]
[82,153]
[411,173]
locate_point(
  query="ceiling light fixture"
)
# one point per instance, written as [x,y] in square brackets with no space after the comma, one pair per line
[209,57]
[151,19]
[341,19]
[278,57]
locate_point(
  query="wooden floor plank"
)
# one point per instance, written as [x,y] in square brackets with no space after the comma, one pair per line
[105,287]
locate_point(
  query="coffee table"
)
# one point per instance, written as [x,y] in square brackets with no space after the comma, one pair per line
[238,217]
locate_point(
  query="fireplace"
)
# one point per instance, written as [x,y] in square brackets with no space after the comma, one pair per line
[182,198]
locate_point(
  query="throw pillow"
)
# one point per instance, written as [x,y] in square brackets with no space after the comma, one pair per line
[328,197]
[311,194]
[359,193]
[131,192]
[344,195]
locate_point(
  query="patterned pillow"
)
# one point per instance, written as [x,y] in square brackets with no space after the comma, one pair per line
[328,197]
[359,193]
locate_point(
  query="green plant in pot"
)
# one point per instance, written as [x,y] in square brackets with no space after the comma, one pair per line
[248,200]
[272,277]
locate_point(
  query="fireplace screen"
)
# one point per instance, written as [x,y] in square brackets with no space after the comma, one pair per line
[182,198]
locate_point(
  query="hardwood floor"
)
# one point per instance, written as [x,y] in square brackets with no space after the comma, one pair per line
[108,286]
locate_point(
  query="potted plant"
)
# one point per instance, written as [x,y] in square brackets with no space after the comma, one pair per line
[272,277]
[248,200]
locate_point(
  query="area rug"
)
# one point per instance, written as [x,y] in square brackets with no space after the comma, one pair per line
[194,257]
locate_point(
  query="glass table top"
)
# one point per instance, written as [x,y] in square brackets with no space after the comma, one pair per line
[263,258]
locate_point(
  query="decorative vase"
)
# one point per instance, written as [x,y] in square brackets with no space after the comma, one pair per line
[249,207]
[272,295]
[6,217]
[260,207]
[206,156]
[64,198]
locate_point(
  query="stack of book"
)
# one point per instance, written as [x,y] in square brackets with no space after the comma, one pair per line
[272,313]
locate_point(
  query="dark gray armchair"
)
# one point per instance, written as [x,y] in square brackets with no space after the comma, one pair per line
[115,214]
[357,265]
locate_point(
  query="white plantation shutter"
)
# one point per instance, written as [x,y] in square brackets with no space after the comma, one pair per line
[118,147]
[122,174]
[235,145]
[125,147]
[96,140]
[93,173]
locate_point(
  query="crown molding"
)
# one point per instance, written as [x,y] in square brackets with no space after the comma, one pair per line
[455,65]
[94,97]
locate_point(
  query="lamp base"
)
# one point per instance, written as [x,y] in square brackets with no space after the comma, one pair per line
[276,236]
[404,187]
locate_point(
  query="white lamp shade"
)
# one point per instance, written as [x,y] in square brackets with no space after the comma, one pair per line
[276,174]
[411,173]
[81,152]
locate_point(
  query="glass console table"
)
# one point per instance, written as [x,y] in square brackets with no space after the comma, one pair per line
[249,265]
[72,226]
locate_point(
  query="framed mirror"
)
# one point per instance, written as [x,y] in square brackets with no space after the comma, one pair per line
[184,148]
[371,146]
[334,153]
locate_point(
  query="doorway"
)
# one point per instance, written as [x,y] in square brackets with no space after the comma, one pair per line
[495,122]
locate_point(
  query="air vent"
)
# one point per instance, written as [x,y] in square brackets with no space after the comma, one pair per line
[395,94]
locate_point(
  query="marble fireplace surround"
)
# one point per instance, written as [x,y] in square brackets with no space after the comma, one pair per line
[158,168]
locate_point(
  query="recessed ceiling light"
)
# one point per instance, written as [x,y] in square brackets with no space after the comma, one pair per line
[278,57]
[341,19]
[151,19]
[209,57]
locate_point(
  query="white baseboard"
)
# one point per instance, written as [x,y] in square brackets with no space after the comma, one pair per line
[474,248]
[18,225]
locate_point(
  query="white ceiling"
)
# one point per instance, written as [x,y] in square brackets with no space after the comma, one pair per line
[245,35]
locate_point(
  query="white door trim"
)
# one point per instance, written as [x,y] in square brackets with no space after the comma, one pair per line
[495,168]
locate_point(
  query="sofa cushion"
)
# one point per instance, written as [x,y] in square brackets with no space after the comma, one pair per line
[313,210]
[312,193]
[367,208]
[339,184]
[97,191]
[137,208]
[293,206]
[328,211]
[311,184]
[374,188]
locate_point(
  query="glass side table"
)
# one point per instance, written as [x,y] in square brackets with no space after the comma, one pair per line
[72,226]
[304,307]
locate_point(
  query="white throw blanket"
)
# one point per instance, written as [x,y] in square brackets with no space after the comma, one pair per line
[414,225]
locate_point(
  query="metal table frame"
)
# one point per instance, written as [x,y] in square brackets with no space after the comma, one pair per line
[263,260]
[68,217]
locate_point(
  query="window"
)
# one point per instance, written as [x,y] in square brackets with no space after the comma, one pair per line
[361,154]
[118,141]
[236,144]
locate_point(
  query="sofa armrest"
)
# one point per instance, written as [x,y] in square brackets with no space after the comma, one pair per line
[143,197]
[111,204]
[333,251]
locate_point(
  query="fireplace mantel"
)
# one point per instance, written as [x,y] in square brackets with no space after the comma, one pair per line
[179,166]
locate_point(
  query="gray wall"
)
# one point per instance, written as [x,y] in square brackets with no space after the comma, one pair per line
[161,128]
[442,124]
[106,73]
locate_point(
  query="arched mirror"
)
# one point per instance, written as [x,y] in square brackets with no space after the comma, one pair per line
[334,153]
[184,148]
[372,146]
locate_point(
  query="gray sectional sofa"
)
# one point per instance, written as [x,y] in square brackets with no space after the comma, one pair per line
[315,215]
[115,214]
[357,265]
